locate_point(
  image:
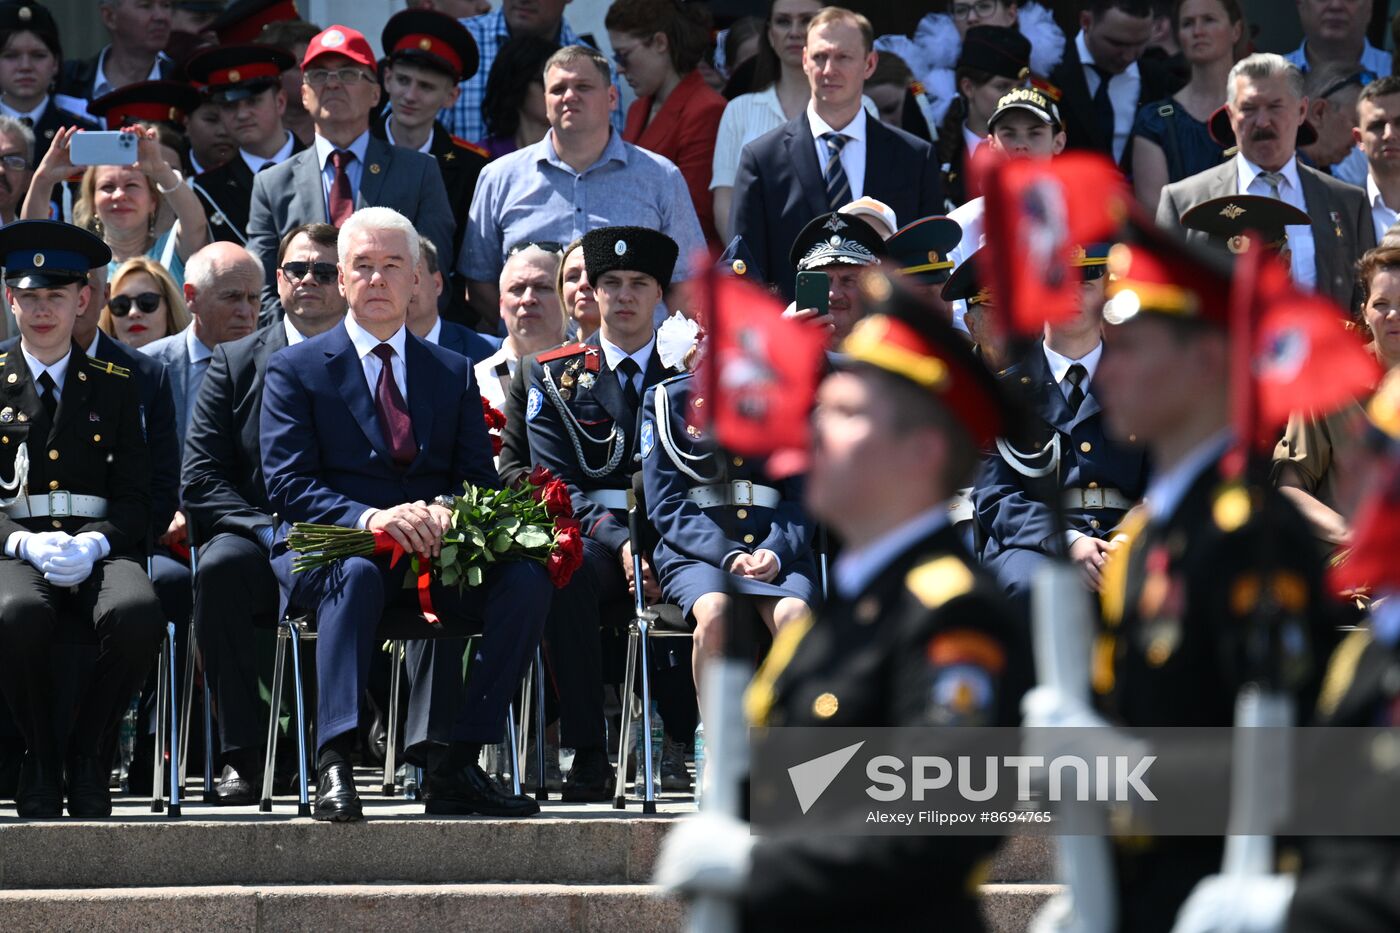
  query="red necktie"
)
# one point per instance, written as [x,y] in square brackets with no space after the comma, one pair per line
[392,413]
[342,202]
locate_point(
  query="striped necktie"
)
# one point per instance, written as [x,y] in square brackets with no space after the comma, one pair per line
[838,186]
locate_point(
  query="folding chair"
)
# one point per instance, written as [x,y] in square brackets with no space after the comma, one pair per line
[532,700]
[663,620]
[167,738]
[187,703]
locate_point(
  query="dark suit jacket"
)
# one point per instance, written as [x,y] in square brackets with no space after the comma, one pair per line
[290,195]
[54,119]
[226,193]
[459,339]
[78,75]
[1077,104]
[779,187]
[1342,228]
[222,476]
[324,458]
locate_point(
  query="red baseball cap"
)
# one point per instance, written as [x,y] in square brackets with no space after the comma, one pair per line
[339,40]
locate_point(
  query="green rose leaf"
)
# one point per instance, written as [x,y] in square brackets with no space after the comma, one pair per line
[532,536]
[475,575]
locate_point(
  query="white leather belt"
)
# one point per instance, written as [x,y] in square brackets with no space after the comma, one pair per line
[608,498]
[1096,499]
[739,492]
[58,504]
[960,508]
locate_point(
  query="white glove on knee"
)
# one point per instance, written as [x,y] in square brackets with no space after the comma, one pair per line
[706,854]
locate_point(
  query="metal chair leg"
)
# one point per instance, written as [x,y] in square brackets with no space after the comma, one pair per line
[279,655]
[541,788]
[303,802]
[395,691]
[649,800]
[186,708]
[527,694]
[173,726]
[209,795]
[514,749]
[158,764]
[620,791]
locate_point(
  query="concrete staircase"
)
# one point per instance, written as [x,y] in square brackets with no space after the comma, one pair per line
[574,867]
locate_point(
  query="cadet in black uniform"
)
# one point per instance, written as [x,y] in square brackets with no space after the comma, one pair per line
[914,633]
[76,511]
[245,82]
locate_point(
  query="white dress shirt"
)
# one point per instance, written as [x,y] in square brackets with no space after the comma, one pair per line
[102,85]
[494,373]
[615,355]
[365,342]
[294,336]
[852,154]
[434,335]
[199,355]
[34,115]
[256,162]
[1382,214]
[1166,490]
[389,135]
[856,568]
[1300,237]
[1060,364]
[354,171]
[56,371]
[1123,91]
[971,141]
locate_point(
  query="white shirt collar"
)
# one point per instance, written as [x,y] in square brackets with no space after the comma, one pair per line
[197,350]
[855,569]
[91,349]
[1086,58]
[852,131]
[34,115]
[615,354]
[324,148]
[972,140]
[100,84]
[57,370]
[434,336]
[389,134]
[1060,364]
[1373,194]
[1249,171]
[256,162]
[294,336]
[1166,490]
[365,342]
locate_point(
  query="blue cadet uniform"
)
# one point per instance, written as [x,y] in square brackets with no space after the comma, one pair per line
[582,421]
[1064,453]
[708,510]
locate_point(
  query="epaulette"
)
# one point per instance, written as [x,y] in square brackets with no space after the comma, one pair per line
[1341,671]
[562,352]
[461,143]
[936,581]
[678,377]
[112,369]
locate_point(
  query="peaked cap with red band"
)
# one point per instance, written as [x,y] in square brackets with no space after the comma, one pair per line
[148,102]
[428,34]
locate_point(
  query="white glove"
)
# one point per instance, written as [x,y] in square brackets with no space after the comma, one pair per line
[75,563]
[42,548]
[1229,904]
[1054,916]
[705,854]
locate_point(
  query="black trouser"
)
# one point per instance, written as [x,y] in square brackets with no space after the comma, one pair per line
[571,638]
[235,590]
[118,602]
[171,578]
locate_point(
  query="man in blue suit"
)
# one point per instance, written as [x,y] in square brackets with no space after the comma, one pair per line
[366,426]
[832,153]
[426,323]
[1064,454]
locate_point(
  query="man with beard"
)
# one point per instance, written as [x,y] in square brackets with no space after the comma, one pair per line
[1264,95]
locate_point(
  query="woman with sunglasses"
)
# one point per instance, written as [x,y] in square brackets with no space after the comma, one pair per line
[658,46]
[581,314]
[145,304]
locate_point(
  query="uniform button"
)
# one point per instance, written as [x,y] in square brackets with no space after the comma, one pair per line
[53,455]
[748,539]
[97,438]
[743,513]
[4,440]
[1093,523]
[53,484]
[826,705]
[1086,447]
[738,461]
[1132,438]
[1093,485]
[57,523]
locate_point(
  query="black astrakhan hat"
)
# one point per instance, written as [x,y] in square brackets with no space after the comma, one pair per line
[630,249]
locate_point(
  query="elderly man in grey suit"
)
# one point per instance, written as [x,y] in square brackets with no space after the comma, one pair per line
[1264,96]
[345,168]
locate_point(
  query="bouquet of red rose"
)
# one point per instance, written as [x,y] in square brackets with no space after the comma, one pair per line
[495,424]
[533,522]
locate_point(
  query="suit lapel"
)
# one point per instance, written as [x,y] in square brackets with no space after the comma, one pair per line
[802,155]
[880,174]
[348,374]
[1076,94]
[75,394]
[379,159]
[1050,400]
[1323,229]
[307,174]
[418,364]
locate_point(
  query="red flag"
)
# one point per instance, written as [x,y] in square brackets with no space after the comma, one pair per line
[760,371]
[1370,564]
[1037,213]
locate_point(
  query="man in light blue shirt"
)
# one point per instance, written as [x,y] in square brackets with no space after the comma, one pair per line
[581,176]
[1336,32]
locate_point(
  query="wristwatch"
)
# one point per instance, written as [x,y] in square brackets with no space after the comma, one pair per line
[446,501]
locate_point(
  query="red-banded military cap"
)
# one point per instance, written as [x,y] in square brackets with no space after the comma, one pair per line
[243,20]
[433,38]
[903,336]
[1156,272]
[233,72]
[146,101]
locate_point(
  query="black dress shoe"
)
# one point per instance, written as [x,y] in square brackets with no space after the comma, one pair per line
[88,794]
[459,788]
[11,760]
[336,800]
[234,790]
[40,792]
[591,777]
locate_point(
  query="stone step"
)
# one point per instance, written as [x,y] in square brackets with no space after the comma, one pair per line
[387,908]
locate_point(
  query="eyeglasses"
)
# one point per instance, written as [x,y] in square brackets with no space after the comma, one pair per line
[549,246]
[323,272]
[981,8]
[146,302]
[319,76]
[14,162]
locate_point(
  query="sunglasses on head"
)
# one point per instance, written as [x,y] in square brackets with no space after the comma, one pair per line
[323,272]
[549,246]
[121,304]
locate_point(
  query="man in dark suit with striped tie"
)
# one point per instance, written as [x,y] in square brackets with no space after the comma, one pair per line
[830,154]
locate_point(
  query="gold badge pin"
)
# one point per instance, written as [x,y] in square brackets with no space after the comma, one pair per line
[174,114]
[38,260]
[234,77]
[567,380]
[740,267]
[374,168]
[82,377]
[1231,211]
[425,43]
[826,705]
[23,417]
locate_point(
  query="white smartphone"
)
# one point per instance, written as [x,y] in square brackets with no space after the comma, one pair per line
[102,148]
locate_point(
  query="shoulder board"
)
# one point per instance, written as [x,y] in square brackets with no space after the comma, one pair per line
[1341,671]
[935,582]
[559,353]
[4,355]
[461,143]
[676,379]
[111,369]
